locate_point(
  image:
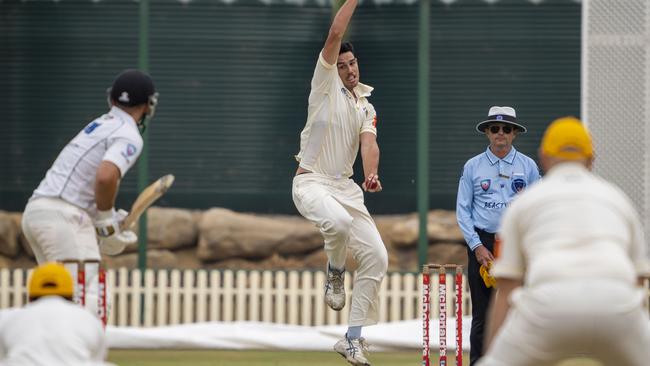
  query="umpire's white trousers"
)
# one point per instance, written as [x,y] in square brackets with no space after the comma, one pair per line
[336,207]
[600,318]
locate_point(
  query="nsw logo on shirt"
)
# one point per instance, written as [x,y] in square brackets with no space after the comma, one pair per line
[518,185]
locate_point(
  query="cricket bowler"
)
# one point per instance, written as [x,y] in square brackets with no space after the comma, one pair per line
[340,122]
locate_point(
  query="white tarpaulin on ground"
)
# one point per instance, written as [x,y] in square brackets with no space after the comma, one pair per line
[255,335]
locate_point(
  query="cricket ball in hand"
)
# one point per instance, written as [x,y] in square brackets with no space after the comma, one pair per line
[370,184]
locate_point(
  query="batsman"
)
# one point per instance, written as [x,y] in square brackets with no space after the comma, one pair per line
[341,121]
[73,205]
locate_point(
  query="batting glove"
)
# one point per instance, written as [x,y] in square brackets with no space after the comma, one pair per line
[115,244]
[112,240]
[108,222]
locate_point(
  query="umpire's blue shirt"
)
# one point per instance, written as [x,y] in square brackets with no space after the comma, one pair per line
[487,186]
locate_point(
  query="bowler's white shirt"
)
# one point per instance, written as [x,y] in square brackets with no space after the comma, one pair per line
[571,225]
[51,331]
[112,137]
[329,143]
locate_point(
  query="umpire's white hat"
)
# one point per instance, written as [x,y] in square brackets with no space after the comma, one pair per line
[503,115]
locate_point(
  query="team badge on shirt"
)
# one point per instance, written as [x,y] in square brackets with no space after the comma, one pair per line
[130,150]
[485,184]
[518,185]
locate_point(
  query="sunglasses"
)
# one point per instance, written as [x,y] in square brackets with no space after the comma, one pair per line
[506,129]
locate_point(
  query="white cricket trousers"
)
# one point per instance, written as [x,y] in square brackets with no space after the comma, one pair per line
[57,230]
[336,207]
[599,318]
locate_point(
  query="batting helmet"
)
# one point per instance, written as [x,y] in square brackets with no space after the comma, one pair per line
[131,88]
[51,279]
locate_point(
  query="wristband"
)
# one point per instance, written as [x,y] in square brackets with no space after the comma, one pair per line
[105,215]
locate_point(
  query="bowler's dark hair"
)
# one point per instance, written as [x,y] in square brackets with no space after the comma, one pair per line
[347,47]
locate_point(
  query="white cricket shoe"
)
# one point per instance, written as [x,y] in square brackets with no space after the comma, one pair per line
[335,288]
[353,350]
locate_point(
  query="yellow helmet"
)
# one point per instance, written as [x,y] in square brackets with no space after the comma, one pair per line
[51,279]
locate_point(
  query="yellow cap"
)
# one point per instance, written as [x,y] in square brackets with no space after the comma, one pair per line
[51,279]
[567,138]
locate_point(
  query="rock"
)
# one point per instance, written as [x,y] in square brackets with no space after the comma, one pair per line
[26,247]
[168,228]
[22,240]
[318,261]
[441,227]
[227,239]
[5,262]
[385,226]
[304,237]
[171,228]
[22,261]
[226,234]
[404,233]
[185,259]
[156,259]
[9,232]
[439,253]
[447,253]
[275,261]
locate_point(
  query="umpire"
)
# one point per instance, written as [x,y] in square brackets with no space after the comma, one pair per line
[489,182]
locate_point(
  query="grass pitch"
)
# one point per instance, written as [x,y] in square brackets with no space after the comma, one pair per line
[254,358]
[275,358]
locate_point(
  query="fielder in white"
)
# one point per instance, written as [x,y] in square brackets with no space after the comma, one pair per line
[51,330]
[340,120]
[569,266]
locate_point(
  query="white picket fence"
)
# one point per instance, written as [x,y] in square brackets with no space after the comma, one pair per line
[168,297]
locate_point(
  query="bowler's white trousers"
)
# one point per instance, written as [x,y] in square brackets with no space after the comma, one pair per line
[599,318]
[336,207]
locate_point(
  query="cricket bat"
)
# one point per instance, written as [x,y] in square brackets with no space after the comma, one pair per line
[148,196]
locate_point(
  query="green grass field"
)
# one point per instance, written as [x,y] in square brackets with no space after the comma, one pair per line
[271,358]
[253,358]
